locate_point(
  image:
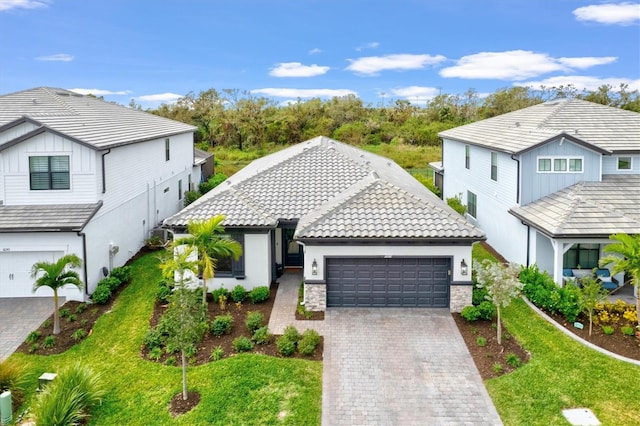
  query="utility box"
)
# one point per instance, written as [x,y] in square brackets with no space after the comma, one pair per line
[6,410]
[45,379]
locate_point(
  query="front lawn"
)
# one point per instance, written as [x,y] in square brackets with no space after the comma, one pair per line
[244,389]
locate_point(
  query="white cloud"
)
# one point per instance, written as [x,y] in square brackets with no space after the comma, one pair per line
[58,57]
[625,13]
[303,93]
[416,92]
[371,45]
[582,82]
[160,97]
[21,4]
[315,51]
[516,65]
[587,62]
[100,92]
[296,69]
[371,65]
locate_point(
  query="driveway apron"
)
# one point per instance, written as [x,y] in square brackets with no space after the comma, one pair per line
[400,366]
[18,317]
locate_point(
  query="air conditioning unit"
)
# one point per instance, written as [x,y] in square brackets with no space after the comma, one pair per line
[161,233]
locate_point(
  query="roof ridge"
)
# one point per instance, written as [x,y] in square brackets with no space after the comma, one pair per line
[562,104]
[246,200]
[55,97]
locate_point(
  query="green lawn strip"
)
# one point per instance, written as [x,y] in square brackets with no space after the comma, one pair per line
[562,373]
[480,253]
[140,390]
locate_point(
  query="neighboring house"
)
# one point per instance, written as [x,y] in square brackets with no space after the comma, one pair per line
[81,175]
[363,230]
[549,183]
[205,161]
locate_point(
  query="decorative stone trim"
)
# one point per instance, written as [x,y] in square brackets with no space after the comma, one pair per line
[315,296]
[459,297]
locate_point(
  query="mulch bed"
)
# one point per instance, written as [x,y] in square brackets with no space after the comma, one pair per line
[488,357]
[312,316]
[179,406]
[210,342]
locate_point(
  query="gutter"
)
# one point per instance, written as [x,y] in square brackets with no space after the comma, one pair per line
[84,246]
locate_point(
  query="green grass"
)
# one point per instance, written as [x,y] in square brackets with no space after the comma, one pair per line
[562,374]
[244,389]
[479,253]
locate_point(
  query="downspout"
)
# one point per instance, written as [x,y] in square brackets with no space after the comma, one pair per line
[84,263]
[104,178]
[528,241]
[517,179]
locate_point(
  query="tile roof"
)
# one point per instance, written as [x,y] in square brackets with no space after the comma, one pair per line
[587,209]
[320,181]
[610,129]
[27,218]
[98,123]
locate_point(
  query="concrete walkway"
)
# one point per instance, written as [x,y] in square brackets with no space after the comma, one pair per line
[18,317]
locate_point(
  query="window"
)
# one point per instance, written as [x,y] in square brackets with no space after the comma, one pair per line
[49,172]
[167,150]
[494,166]
[559,165]
[180,189]
[624,163]
[227,266]
[472,204]
[584,256]
[467,157]
[544,164]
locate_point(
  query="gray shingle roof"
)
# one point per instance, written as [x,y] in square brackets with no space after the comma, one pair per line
[95,122]
[23,218]
[320,182]
[610,129]
[587,209]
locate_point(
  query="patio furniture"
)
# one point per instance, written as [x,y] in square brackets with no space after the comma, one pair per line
[604,276]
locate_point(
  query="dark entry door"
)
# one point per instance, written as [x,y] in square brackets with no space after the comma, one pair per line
[292,250]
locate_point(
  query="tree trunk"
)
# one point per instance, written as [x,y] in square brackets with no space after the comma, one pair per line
[56,318]
[204,291]
[184,376]
[499,326]
[590,323]
[636,287]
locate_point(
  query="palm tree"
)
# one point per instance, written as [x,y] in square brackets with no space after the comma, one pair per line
[56,275]
[625,258]
[175,267]
[208,239]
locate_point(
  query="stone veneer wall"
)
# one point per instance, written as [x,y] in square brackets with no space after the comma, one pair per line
[315,297]
[460,297]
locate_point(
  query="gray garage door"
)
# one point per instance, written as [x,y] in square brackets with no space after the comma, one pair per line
[393,282]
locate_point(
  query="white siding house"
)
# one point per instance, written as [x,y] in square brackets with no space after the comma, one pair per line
[550,183]
[80,175]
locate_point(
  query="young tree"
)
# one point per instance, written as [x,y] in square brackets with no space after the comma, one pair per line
[180,265]
[56,275]
[590,294]
[185,322]
[208,239]
[502,285]
[625,257]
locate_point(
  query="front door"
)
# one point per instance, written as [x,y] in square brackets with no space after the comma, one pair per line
[292,250]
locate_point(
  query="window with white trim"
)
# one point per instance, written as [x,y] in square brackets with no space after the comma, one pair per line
[49,172]
[559,164]
[494,166]
[472,204]
[624,163]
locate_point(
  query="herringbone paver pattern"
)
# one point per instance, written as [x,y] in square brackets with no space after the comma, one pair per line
[18,317]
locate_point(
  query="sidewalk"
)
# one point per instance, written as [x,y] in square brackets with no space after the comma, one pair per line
[284,307]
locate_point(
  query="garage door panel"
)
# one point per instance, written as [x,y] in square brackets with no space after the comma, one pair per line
[388,282]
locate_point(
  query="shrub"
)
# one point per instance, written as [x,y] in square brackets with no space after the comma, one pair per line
[222,301]
[163,293]
[456,204]
[190,351]
[308,342]
[259,294]
[608,330]
[111,282]
[155,354]
[49,342]
[254,321]
[171,361]
[239,294]
[486,310]
[213,181]
[481,341]
[221,291]
[81,308]
[47,323]
[72,318]
[64,312]
[627,331]
[217,353]
[478,295]
[242,344]
[101,295]
[12,377]
[79,334]
[262,336]
[171,348]
[33,337]
[470,313]
[154,338]
[498,368]
[221,324]
[285,346]
[190,197]
[121,273]
[291,333]
[34,347]
[513,360]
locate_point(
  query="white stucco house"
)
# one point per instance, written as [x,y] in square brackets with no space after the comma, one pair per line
[550,183]
[363,231]
[84,176]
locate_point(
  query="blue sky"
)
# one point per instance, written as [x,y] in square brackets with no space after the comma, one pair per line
[157,50]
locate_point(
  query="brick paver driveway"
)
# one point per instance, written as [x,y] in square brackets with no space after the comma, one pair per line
[400,366]
[20,316]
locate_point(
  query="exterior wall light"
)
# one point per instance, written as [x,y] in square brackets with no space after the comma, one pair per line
[314,267]
[464,268]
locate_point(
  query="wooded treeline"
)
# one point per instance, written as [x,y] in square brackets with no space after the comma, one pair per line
[236,119]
